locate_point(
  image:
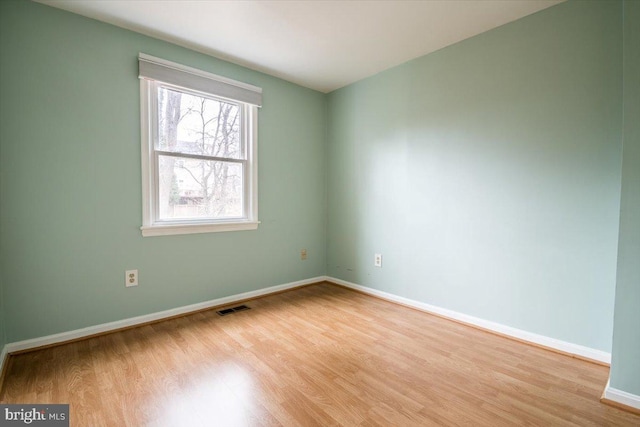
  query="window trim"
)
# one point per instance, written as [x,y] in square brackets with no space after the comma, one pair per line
[151,226]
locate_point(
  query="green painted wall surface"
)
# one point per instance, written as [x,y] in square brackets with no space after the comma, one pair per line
[71,186]
[487,174]
[625,364]
[3,339]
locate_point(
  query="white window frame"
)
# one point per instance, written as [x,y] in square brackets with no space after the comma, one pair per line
[151,223]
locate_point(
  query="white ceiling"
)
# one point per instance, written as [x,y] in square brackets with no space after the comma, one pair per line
[323,45]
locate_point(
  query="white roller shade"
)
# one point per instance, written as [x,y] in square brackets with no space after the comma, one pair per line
[153,68]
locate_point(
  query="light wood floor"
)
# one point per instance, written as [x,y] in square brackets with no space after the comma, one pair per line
[319,355]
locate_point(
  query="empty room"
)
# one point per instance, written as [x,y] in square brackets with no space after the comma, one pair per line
[299,213]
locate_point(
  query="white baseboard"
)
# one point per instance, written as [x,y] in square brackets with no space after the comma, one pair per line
[541,340]
[133,321]
[621,397]
[552,343]
[3,358]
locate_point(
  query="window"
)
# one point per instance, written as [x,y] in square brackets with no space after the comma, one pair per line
[199,136]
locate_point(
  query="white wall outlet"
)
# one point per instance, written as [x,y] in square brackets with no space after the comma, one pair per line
[131,278]
[303,254]
[377,260]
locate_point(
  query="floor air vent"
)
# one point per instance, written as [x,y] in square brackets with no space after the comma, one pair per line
[226,311]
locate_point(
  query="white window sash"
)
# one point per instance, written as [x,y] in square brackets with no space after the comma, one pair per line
[151,224]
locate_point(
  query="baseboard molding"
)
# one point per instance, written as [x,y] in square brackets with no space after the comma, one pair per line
[4,357]
[621,399]
[574,350]
[610,396]
[553,344]
[31,344]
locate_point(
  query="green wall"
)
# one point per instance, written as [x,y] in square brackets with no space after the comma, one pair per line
[487,174]
[71,181]
[625,366]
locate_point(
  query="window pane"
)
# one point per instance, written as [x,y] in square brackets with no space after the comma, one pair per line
[196,125]
[192,189]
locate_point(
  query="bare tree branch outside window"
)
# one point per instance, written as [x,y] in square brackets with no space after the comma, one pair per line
[199,188]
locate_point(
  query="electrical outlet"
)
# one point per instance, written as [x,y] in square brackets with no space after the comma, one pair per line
[303,254]
[131,278]
[377,260]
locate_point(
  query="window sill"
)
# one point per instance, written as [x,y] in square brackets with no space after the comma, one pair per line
[172,229]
